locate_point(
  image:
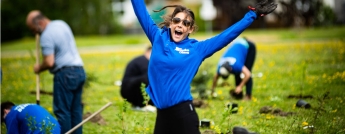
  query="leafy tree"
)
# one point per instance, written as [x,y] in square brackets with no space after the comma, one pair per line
[292,13]
[84,16]
[309,12]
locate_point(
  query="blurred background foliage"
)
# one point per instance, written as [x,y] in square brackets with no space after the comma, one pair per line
[103,17]
[84,16]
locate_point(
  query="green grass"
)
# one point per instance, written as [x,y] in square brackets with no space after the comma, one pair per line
[308,62]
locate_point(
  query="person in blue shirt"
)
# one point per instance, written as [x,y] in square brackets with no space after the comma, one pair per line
[61,57]
[175,60]
[238,59]
[28,119]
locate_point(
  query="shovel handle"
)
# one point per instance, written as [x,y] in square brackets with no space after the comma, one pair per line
[88,118]
[37,75]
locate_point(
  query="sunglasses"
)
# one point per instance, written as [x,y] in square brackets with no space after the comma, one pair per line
[184,22]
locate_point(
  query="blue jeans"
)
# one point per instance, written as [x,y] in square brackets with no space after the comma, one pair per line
[67,103]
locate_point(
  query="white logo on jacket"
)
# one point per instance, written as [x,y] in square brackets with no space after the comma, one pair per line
[182,51]
[21,107]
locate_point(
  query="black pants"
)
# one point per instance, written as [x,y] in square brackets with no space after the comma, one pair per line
[131,90]
[179,119]
[249,64]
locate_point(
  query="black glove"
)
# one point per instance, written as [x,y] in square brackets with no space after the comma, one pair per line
[263,7]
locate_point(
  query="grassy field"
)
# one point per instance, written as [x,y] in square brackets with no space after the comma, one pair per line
[293,62]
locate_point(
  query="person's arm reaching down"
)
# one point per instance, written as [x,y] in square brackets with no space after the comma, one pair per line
[247,75]
[214,84]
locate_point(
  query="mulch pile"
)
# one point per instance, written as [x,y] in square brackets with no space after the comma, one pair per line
[209,132]
[199,103]
[300,96]
[96,119]
[275,111]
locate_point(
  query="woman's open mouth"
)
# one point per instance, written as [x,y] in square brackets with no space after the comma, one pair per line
[178,33]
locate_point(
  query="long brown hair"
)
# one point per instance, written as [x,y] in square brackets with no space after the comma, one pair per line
[178,8]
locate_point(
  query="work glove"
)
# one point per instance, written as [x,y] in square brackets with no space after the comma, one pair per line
[263,8]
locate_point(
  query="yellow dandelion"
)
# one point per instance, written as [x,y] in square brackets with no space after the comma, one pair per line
[216,128]
[271,64]
[87,107]
[268,117]
[324,75]
[334,119]
[244,123]
[240,110]
[219,92]
[254,99]
[50,109]
[304,123]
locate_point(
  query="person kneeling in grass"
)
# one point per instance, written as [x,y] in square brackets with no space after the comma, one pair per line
[27,119]
[135,75]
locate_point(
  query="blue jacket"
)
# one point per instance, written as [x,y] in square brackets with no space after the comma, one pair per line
[31,119]
[236,55]
[173,65]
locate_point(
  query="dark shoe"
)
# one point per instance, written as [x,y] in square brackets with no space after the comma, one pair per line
[241,130]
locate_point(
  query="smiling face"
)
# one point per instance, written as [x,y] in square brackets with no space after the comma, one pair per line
[180,26]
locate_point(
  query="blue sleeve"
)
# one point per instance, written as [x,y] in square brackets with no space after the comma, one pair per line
[147,24]
[47,44]
[12,125]
[216,43]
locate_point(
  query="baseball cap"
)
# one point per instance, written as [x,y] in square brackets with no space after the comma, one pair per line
[224,70]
